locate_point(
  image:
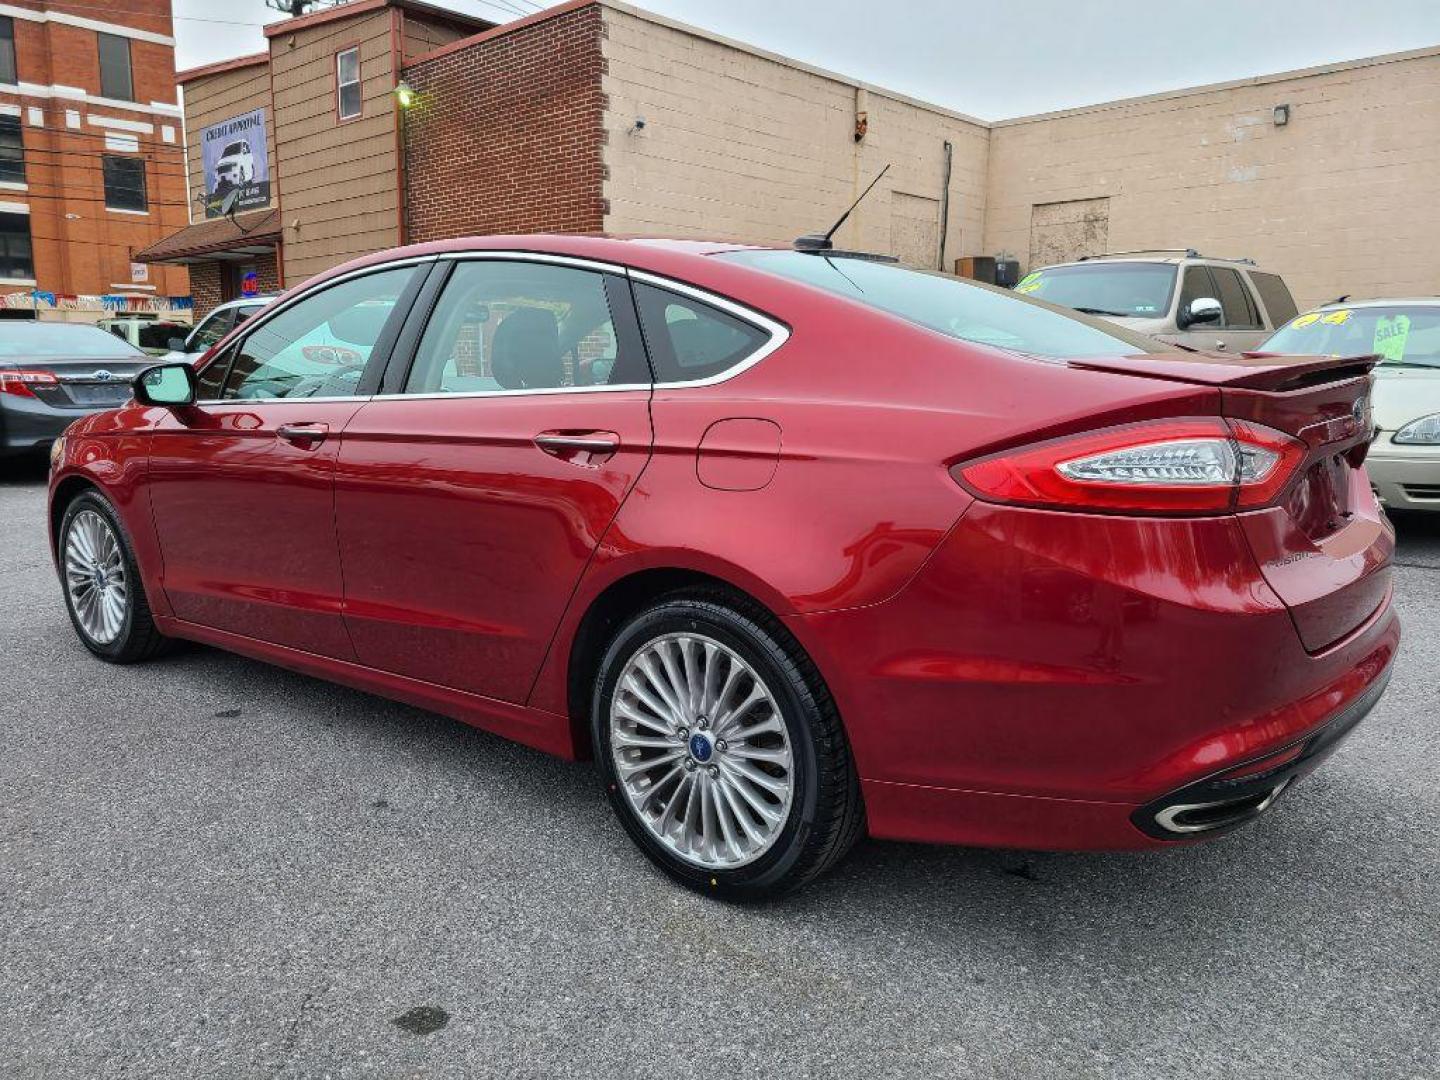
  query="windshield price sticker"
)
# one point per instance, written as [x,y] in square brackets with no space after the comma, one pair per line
[1029,283]
[1390,337]
[1330,318]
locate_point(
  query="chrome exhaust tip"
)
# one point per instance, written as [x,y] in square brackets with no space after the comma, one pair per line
[1187,819]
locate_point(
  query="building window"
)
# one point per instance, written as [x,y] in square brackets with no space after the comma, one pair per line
[16,261]
[12,151]
[347,83]
[124,183]
[7,50]
[115,80]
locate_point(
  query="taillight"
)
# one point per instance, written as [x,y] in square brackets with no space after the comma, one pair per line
[1191,465]
[19,382]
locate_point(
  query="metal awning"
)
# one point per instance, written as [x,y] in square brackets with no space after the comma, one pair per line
[228,239]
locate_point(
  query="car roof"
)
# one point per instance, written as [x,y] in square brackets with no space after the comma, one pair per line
[1405,301]
[1168,258]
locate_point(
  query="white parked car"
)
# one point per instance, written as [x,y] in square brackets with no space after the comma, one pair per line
[1404,459]
[213,327]
[236,165]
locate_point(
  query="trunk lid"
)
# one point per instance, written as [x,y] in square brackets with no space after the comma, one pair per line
[1325,547]
[84,383]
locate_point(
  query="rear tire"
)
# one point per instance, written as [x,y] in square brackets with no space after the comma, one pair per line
[742,803]
[101,584]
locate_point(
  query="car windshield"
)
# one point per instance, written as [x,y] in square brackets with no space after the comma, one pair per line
[954,306]
[1134,290]
[234,148]
[36,339]
[1405,335]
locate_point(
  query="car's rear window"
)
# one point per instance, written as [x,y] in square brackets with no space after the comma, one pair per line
[962,309]
[1406,335]
[25,339]
[1135,290]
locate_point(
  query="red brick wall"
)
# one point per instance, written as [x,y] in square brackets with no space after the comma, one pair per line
[206,287]
[79,246]
[506,134]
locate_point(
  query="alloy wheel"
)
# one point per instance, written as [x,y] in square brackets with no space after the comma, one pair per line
[95,577]
[701,750]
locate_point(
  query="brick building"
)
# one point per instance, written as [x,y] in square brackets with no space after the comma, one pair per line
[323,91]
[596,115]
[91,165]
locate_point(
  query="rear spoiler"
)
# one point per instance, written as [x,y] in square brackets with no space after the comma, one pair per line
[1247,370]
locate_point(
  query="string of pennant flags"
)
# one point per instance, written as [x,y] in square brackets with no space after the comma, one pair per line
[39,298]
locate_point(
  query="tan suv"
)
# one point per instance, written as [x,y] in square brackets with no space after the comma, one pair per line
[1180,296]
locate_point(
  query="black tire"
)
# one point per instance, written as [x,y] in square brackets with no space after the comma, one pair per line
[826,813]
[139,639]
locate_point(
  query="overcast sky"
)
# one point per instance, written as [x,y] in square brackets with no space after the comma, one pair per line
[988,58]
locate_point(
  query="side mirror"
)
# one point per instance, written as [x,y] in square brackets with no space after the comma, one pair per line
[176,344]
[169,385]
[1203,309]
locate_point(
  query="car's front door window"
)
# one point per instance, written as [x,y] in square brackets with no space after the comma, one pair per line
[320,346]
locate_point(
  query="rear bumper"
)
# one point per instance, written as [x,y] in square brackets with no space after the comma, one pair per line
[1240,794]
[27,424]
[1046,676]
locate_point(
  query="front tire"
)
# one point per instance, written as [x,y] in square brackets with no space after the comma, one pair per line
[722,752]
[101,584]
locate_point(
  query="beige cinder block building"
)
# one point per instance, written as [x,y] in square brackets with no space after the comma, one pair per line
[1342,197]
[739,142]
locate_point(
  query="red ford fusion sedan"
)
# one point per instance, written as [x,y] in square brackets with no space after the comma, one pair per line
[796,544]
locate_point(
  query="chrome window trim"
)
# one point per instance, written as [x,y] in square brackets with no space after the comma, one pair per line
[274,400]
[535,256]
[273,310]
[779,332]
[498,255]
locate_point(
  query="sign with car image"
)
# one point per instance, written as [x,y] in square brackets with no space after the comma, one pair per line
[237,165]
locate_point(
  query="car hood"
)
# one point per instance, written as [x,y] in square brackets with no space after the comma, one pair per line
[1404,394]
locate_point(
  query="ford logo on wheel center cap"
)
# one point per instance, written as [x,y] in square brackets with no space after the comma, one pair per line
[700,748]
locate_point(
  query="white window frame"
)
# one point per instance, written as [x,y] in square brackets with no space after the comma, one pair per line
[340,85]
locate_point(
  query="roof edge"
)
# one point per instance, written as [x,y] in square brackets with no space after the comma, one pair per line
[359,7]
[1316,70]
[496,30]
[220,66]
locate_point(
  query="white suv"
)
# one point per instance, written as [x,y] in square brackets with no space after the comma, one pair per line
[1179,296]
[236,165]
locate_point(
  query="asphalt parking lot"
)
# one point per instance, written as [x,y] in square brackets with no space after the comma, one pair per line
[213,868]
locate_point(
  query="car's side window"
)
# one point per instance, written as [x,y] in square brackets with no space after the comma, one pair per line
[518,325]
[212,330]
[1236,303]
[319,346]
[689,339]
[1279,304]
[210,380]
[1195,285]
